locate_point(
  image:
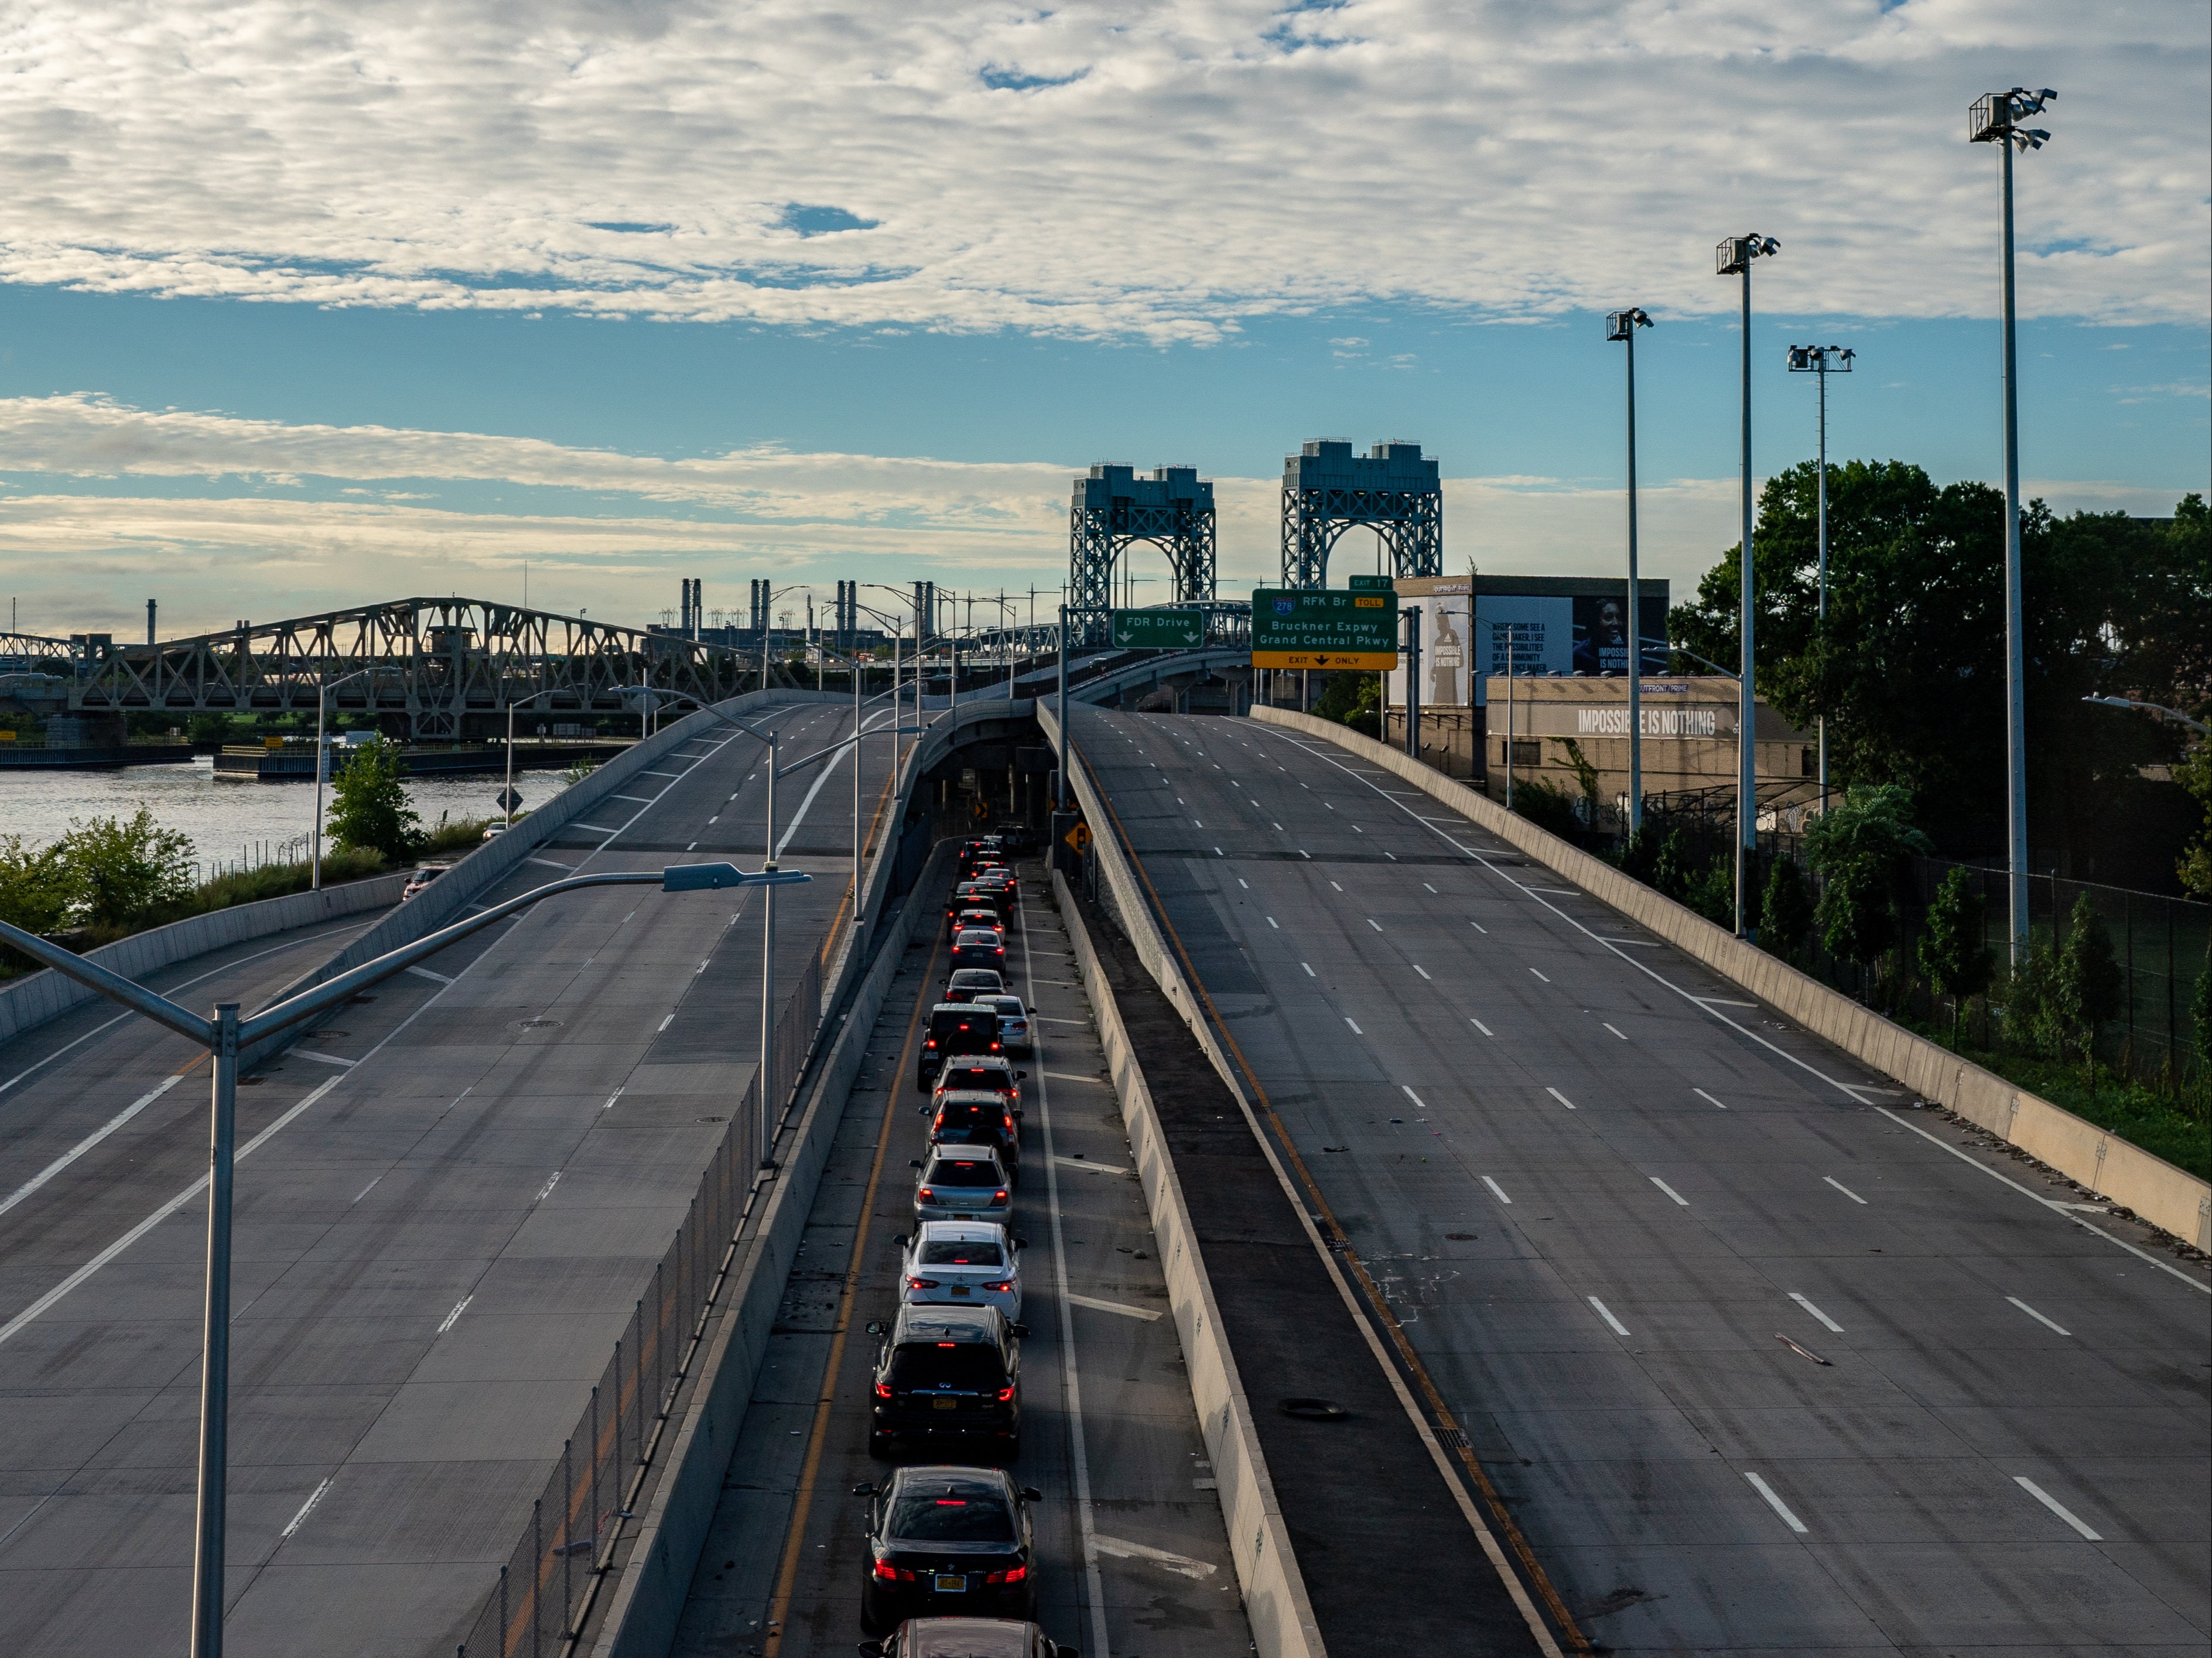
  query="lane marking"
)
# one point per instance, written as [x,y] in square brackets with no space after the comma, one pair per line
[1540,975]
[1423,971]
[550,863]
[1274,923]
[546,1190]
[1147,1313]
[1721,1001]
[1557,892]
[90,1140]
[454,1317]
[1670,1191]
[641,799]
[643,772]
[1086,1162]
[1356,1031]
[1120,1549]
[1614,1029]
[665,1021]
[1479,927]
[371,1186]
[425,972]
[613,1098]
[1416,1098]
[1837,1184]
[1479,1025]
[325,1059]
[1069,1076]
[2037,1317]
[1560,1097]
[1310,974]
[1376,925]
[1703,1094]
[1832,1324]
[598,829]
[1776,1504]
[2053,1505]
[1425,883]
[306,1509]
[1606,1312]
[1496,1188]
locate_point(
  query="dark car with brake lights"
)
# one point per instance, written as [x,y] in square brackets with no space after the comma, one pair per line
[1013,1023]
[979,947]
[967,983]
[956,1028]
[991,1072]
[948,1373]
[963,916]
[942,1537]
[978,1118]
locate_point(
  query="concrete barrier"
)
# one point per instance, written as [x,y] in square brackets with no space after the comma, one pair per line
[2124,1174]
[1274,1590]
[648,1600]
[31,1002]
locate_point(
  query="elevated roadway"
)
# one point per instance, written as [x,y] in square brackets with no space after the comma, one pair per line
[1754,1355]
[447,1203]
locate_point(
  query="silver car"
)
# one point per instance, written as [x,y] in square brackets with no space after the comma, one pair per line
[1013,1023]
[963,1182]
[963,1263]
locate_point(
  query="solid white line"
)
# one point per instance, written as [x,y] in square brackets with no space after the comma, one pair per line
[1148,1313]
[1479,1025]
[1816,1312]
[1703,1094]
[90,1140]
[1560,1097]
[1356,1031]
[1497,1188]
[2037,1317]
[1606,1312]
[37,1309]
[1540,975]
[454,1317]
[1670,1191]
[1614,1029]
[2197,1284]
[2051,1504]
[425,972]
[1086,1162]
[1844,1189]
[325,1059]
[1175,1563]
[1776,1504]
[315,1497]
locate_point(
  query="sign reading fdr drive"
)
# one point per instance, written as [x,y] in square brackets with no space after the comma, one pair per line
[1315,628]
[1171,630]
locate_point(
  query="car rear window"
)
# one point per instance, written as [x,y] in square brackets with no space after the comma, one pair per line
[962,1254]
[1010,1006]
[945,1171]
[982,1077]
[957,1517]
[972,1365]
[977,938]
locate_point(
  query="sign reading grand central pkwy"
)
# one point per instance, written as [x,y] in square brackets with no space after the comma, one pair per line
[1317,627]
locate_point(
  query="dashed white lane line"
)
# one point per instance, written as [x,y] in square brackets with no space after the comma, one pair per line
[552,863]
[598,828]
[1670,1191]
[1182,1564]
[1479,1025]
[1479,927]
[1776,1504]
[1086,1162]
[1606,1312]
[1275,924]
[1816,1312]
[1423,971]
[2047,1323]
[306,1507]
[1431,889]
[546,1190]
[1540,975]
[1354,1023]
[1721,1001]
[1310,974]
[641,799]
[1702,1095]
[2054,1506]
[324,1059]
[454,1317]
[1833,1181]
[642,773]
[666,1020]
[1560,1097]
[1333,885]
[1615,1029]
[90,1140]
[1420,1103]
[425,972]
[1497,1190]
[1147,1313]
[1376,925]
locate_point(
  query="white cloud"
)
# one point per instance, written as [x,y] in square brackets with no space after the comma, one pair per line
[1142,168]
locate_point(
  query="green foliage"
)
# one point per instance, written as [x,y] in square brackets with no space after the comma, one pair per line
[35,886]
[2031,1003]
[2200,1009]
[1585,775]
[208,731]
[118,869]
[1952,952]
[1549,806]
[463,835]
[1863,849]
[1712,892]
[577,772]
[368,802]
[2092,985]
[1786,912]
[2195,869]
[1353,700]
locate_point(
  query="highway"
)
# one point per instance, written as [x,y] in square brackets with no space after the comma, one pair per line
[1131,1555]
[446,1205]
[1756,1355]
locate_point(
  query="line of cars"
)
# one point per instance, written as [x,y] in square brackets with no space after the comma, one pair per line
[951,1548]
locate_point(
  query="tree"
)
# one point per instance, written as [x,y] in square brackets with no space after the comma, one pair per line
[1786,914]
[1953,953]
[2092,985]
[2031,1010]
[35,888]
[2195,869]
[1863,849]
[368,802]
[2200,1010]
[118,869]
[1353,700]
[1585,775]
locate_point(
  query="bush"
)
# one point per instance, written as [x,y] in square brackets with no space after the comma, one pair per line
[2090,981]
[368,803]
[1786,914]
[2033,1021]
[1951,954]
[118,871]
[1862,847]
[34,886]
[1549,806]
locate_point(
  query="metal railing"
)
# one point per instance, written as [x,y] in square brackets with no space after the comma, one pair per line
[544,1591]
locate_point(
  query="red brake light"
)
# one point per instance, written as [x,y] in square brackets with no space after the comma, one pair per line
[1005,1394]
[927,1195]
[883,1390]
[1008,1285]
[998,1196]
[948,1344]
[922,1284]
[886,1572]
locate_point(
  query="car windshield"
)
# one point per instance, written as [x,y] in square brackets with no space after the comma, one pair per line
[962,1254]
[971,1366]
[957,1516]
[945,1171]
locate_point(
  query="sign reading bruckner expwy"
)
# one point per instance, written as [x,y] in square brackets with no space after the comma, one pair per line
[1317,627]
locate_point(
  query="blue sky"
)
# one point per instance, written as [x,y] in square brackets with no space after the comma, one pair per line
[273,343]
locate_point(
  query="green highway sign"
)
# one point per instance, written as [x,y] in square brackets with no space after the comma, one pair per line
[1370,583]
[1315,628]
[1159,630]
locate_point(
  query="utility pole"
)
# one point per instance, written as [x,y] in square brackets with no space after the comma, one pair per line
[1621,325]
[1734,257]
[1821,361]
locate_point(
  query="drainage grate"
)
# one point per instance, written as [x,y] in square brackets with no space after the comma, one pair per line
[1452,1439]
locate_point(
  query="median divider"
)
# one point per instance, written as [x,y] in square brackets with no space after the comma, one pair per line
[2155,1191]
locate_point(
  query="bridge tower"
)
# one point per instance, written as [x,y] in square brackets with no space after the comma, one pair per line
[1113,510]
[1392,489]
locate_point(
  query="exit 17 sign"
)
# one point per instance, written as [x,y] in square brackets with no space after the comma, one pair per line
[1315,628]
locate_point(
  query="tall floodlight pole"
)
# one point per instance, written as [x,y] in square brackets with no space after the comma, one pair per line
[1066,794]
[1621,326]
[1734,258]
[1996,119]
[1822,361]
[323,764]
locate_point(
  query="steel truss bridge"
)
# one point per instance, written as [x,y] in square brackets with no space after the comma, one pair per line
[1112,510]
[442,664]
[1392,489]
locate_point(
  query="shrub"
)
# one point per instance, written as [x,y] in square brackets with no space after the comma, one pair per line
[368,802]
[1863,849]
[118,871]
[1786,914]
[1549,806]
[34,886]
[2092,984]
[1951,954]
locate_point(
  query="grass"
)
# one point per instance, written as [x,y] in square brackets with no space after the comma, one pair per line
[246,886]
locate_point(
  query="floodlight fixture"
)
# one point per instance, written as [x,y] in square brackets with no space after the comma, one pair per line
[1619,325]
[1734,254]
[1821,359]
[1995,118]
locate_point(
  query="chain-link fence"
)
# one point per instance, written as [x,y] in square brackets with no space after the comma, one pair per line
[544,1589]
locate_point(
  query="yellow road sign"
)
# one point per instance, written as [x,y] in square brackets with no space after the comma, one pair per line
[1079,838]
[1364,660]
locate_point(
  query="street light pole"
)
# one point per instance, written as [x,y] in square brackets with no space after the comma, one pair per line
[1996,119]
[1621,325]
[1065,792]
[1734,258]
[213,1501]
[1819,360]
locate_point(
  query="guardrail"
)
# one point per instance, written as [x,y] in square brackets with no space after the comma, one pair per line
[2153,1188]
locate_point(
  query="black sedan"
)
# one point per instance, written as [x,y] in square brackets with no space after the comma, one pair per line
[948,1539]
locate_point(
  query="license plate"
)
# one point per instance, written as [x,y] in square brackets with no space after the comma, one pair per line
[945,1404]
[962,1290]
[952,1583]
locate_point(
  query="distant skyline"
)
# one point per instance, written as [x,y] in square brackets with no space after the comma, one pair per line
[357,306]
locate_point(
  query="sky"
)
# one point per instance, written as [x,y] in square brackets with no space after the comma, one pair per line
[309,305]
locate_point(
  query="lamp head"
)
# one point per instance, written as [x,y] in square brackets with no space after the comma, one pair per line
[1996,117]
[1620,324]
[1734,255]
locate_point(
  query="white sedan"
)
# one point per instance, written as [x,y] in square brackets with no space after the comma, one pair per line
[963,1263]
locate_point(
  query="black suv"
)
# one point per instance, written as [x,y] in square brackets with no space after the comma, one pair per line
[977,1117]
[956,1028]
[948,1539]
[948,1373]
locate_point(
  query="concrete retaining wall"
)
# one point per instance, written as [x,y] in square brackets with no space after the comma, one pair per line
[648,1600]
[38,997]
[2122,1173]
